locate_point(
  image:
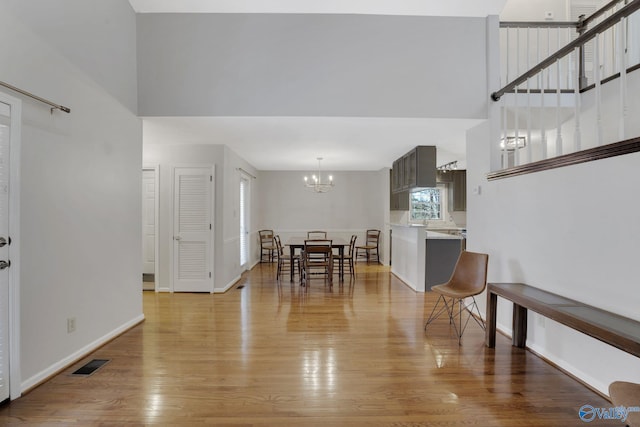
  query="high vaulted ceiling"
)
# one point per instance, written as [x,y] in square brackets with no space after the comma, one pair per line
[478,8]
[293,143]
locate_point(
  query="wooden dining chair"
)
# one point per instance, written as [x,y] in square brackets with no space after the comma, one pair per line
[370,246]
[317,259]
[285,262]
[348,257]
[267,246]
[317,234]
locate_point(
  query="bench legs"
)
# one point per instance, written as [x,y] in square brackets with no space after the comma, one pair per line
[519,324]
[492,308]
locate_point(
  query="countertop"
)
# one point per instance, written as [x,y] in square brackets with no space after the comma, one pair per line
[432,234]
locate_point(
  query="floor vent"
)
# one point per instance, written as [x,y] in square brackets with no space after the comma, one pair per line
[240,287]
[90,367]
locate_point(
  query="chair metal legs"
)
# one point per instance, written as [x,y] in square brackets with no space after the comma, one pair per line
[450,308]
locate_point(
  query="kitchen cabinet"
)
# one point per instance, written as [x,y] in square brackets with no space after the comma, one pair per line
[458,190]
[441,256]
[415,169]
[400,201]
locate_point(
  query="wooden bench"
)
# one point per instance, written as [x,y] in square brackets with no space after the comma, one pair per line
[618,331]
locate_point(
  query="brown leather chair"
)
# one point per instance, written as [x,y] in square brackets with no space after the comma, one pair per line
[267,246]
[370,246]
[469,278]
[285,262]
[627,395]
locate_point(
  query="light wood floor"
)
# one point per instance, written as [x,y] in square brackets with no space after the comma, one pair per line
[268,355]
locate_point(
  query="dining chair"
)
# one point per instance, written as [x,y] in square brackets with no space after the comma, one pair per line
[349,256]
[469,278]
[317,259]
[370,246]
[317,234]
[285,262]
[267,246]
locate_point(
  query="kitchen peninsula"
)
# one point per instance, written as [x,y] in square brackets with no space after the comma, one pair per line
[423,258]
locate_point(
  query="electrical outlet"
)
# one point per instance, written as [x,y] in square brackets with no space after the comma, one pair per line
[71,324]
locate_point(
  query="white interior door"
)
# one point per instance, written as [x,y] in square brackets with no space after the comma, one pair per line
[5,271]
[192,234]
[148,224]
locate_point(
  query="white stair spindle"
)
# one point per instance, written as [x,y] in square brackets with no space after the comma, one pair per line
[503,144]
[558,105]
[577,101]
[622,58]
[543,135]
[598,90]
[516,112]
[528,160]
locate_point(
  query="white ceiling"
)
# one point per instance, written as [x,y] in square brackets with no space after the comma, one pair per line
[294,143]
[478,8]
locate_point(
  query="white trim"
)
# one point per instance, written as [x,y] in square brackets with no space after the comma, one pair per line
[227,286]
[246,213]
[84,351]
[156,169]
[15,138]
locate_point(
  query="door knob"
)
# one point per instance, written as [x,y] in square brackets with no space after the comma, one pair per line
[4,264]
[176,237]
[4,241]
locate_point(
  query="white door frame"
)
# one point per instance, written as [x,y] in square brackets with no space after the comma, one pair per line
[247,219]
[212,169]
[15,380]
[156,169]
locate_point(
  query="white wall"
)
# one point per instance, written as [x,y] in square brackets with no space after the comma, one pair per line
[74,28]
[226,205]
[359,201]
[311,65]
[571,231]
[80,185]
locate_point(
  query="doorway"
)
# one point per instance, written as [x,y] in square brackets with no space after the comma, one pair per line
[150,208]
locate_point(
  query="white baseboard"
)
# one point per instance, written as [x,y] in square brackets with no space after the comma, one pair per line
[74,357]
[227,286]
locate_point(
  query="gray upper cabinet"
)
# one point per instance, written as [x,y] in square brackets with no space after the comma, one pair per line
[459,190]
[415,169]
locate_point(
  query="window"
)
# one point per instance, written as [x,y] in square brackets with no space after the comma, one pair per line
[426,204]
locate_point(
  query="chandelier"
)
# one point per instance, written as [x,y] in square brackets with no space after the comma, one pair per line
[315,183]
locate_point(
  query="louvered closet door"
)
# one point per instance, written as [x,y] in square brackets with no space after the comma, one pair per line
[192,230]
[4,250]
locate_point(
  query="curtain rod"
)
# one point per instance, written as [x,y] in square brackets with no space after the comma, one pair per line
[246,173]
[36,97]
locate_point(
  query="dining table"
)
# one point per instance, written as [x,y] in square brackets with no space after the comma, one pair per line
[297,242]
